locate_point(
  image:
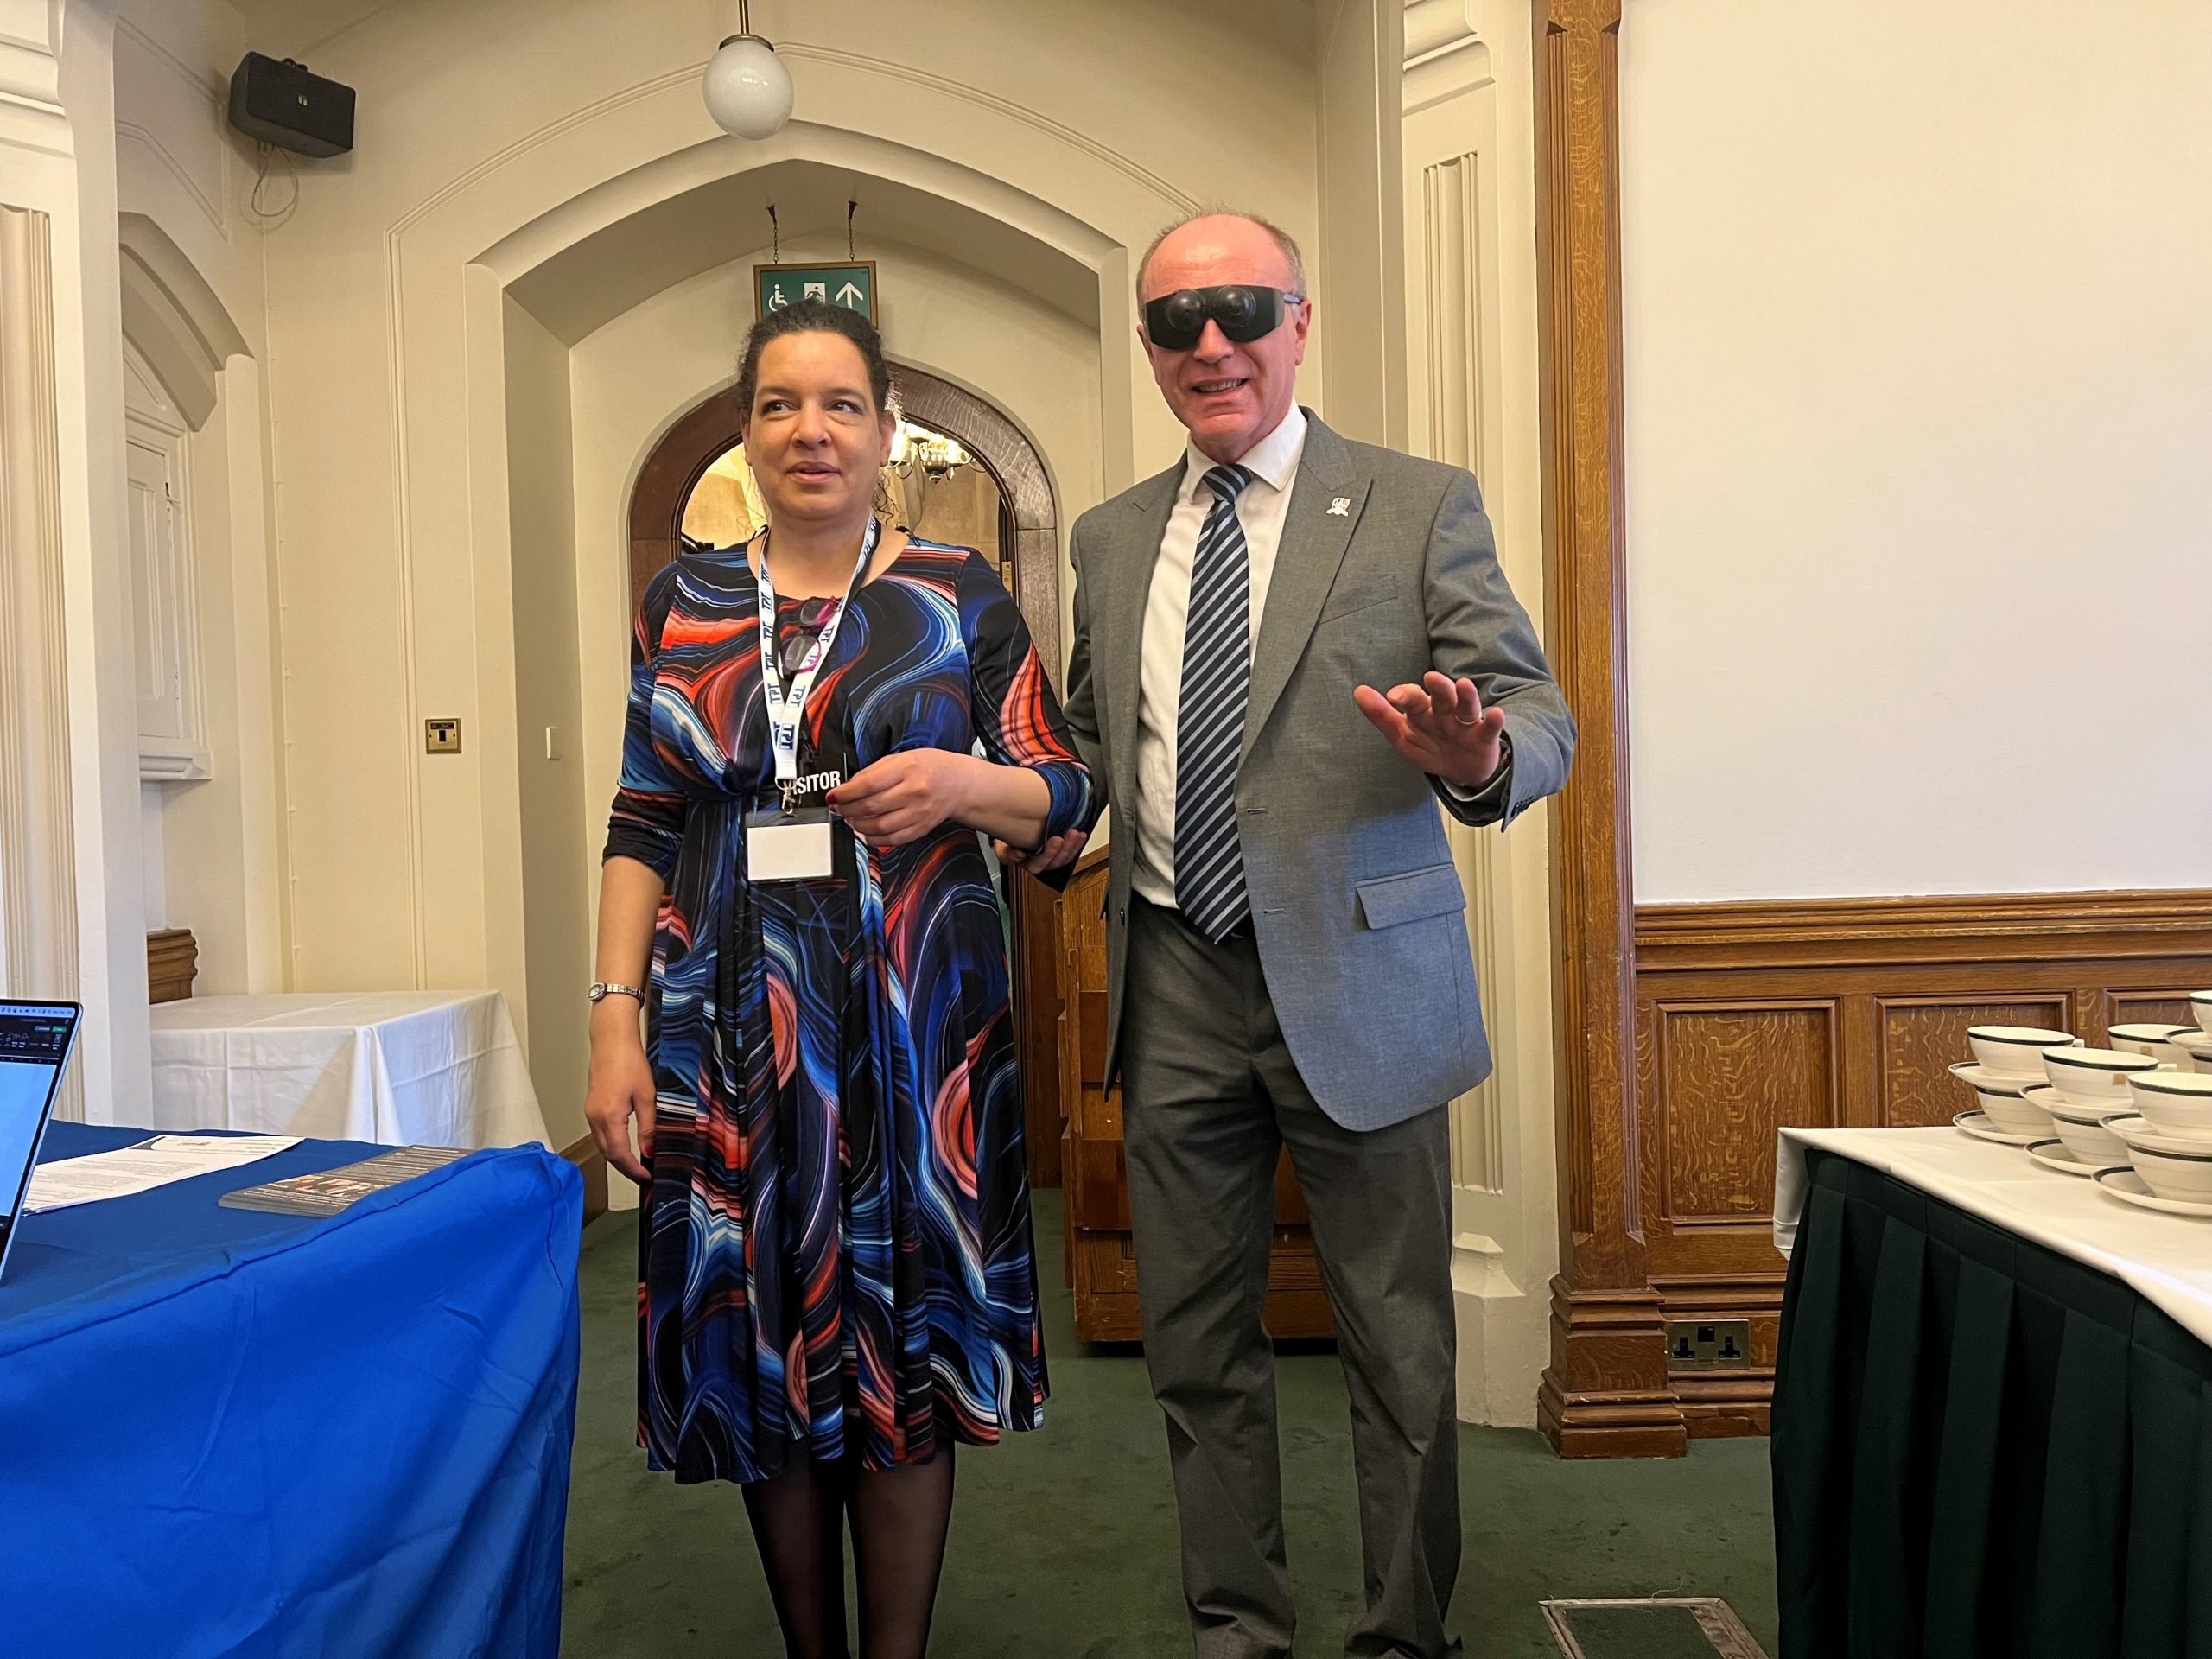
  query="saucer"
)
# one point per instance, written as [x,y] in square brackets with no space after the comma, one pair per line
[2053,1154]
[2122,1182]
[1977,1125]
[1984,1081]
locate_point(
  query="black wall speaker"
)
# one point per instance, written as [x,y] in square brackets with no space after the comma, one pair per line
[282,104]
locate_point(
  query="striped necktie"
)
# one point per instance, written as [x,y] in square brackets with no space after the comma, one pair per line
[1209,719]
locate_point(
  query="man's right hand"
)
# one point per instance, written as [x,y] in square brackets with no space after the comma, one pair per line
[1060,849]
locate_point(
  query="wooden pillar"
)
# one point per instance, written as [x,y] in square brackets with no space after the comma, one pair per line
[1605,1393]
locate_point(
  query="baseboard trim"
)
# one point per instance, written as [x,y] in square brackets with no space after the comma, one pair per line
[592,1162]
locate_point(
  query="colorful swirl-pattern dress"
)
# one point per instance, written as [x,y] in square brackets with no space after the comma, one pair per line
[835,1253]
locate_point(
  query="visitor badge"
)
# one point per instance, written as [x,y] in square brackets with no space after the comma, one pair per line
[795,846]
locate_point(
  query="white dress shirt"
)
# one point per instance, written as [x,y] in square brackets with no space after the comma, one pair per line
[1261,510]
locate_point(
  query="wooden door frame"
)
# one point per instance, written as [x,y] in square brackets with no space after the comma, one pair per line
[1606,1392]
[707,431]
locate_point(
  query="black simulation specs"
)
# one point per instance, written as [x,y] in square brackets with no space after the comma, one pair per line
[798,636]
[1174,321]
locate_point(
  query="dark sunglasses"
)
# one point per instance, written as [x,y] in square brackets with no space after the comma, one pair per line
[1174,321]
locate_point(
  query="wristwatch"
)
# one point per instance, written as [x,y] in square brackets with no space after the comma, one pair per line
[601,990]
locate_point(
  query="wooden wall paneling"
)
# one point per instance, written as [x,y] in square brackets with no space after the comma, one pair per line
[2162,1006]
[1730,998]
[1919,1038]
[1605,1393]
[1728,1077]
[1947,929]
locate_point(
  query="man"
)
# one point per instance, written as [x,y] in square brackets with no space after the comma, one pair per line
[1287,955]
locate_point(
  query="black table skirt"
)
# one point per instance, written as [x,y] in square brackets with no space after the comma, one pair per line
[1981,1447]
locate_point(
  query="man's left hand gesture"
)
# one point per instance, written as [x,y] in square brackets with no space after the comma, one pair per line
[1440,726]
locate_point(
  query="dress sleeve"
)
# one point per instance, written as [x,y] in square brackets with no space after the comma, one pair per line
[1017,713]
[650,804]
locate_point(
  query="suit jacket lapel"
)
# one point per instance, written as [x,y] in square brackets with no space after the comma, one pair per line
[1314,537]
[1136,551]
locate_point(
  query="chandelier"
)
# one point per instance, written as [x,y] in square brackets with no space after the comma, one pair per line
[916,450]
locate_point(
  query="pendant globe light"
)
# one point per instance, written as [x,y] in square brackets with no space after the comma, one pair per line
[748,90]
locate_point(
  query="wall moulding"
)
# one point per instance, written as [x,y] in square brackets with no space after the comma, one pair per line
[1779,932]
[38,879]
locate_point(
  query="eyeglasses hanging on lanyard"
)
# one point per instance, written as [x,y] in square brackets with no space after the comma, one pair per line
[792,642]
[784,686]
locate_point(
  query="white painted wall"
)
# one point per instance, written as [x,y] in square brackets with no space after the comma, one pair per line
[1919,329]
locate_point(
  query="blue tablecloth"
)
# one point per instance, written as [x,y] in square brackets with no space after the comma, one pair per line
[230,1433]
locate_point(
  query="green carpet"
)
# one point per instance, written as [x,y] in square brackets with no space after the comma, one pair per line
[1063,1542]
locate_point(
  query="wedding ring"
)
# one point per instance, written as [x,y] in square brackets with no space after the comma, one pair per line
[1475,722]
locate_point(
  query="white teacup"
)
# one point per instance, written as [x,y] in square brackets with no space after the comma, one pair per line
[2200,1004]
[2196,1046]
[2095,1073]
[1999,1096]
[2172,1166]
[2177,1103]
[2015,1049]
[2081,1128]
[2156,1041]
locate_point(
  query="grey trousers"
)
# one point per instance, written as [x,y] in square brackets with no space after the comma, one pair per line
[1209,1096]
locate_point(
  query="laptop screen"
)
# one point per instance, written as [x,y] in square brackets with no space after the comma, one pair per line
[35,1041]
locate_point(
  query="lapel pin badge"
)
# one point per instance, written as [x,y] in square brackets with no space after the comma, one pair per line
[1340,506]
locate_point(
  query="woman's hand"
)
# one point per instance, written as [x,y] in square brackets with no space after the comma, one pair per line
[905,796]
[620,1088]
[1060,849]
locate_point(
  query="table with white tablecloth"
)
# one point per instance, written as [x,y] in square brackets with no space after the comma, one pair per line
[1993,1407]
[2168,1259]
[431,1068]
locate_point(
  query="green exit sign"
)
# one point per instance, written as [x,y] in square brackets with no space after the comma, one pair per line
[852,286]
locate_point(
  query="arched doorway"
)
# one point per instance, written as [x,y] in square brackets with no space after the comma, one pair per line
[1029,545]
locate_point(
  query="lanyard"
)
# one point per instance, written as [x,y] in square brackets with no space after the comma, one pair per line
[786,704]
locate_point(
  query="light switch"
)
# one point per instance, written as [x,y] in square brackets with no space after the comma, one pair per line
[552,742]
[441,736]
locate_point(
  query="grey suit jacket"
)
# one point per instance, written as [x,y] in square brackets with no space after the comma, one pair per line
[1358,911]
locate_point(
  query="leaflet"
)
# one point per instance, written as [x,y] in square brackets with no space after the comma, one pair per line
[158,1162]
[326,1192]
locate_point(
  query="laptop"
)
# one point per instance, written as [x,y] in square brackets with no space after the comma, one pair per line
[35,1039]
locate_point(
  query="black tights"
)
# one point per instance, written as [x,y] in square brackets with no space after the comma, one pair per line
[899,1519]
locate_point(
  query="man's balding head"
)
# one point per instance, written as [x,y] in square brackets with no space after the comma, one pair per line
[1243,242]
[1228,394]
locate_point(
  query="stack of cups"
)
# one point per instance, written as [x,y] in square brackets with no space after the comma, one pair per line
[2008,1063]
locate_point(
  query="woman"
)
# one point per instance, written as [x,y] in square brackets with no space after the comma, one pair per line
[835,1250]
